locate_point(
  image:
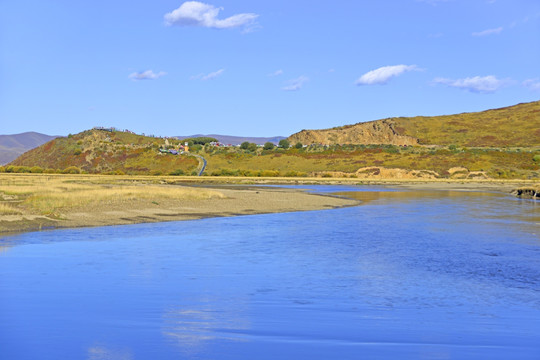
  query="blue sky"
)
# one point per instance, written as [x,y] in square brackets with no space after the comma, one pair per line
[259,68]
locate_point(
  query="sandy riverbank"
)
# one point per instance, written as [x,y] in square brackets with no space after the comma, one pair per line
[73,201]
[241,201]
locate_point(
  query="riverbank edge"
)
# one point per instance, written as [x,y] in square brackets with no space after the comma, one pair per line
[207,209]
[238,201]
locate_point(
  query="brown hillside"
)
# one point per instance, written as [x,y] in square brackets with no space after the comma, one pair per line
[97,151]
[517,125]
[374,132]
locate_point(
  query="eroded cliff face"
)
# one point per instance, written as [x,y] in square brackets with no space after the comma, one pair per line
[374,132]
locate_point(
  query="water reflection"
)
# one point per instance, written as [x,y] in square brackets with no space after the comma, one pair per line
[104,353]
[485,206]
[411,195]
[193,328]
[3,249]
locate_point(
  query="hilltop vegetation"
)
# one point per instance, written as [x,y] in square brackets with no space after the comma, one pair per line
[98,151]
[517,125]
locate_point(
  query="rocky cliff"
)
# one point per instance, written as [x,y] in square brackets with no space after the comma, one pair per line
[374,132]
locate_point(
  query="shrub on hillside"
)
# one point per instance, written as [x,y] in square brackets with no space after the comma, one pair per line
[203,140]
[36,170]
[177,172]
[294,173]
[269,173]
[225,172]
[71,170]
[17,169]
[248,146]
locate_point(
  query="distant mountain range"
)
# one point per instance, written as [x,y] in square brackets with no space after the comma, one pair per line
[237,140]
[11,146]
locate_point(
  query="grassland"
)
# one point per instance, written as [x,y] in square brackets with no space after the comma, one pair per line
[352,161]
[58,194]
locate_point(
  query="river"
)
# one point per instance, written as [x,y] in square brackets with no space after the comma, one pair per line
[408,275]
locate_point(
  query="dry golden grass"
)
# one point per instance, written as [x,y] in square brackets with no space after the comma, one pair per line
[6,209]
[48,194]
[49,200]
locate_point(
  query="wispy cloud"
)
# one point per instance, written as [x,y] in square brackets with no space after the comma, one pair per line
[213,75]
[383,74]
[210,76]
[477,84]
[195,13]
[295,84]
[532,17]
[532,84]
[488,32]
[146,75]
[276,73]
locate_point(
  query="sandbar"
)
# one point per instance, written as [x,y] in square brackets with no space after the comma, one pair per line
[246,200]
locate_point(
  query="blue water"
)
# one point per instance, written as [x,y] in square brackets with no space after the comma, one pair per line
[428,276]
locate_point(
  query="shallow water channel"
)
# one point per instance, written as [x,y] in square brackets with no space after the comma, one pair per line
[408,275]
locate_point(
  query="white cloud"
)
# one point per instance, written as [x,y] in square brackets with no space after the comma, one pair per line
[276,73]
[146,75]
[213,75]
[383,74]
[533,84]
[210,76]
[477,84]
[488,32]
[195,13]
[295,84]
